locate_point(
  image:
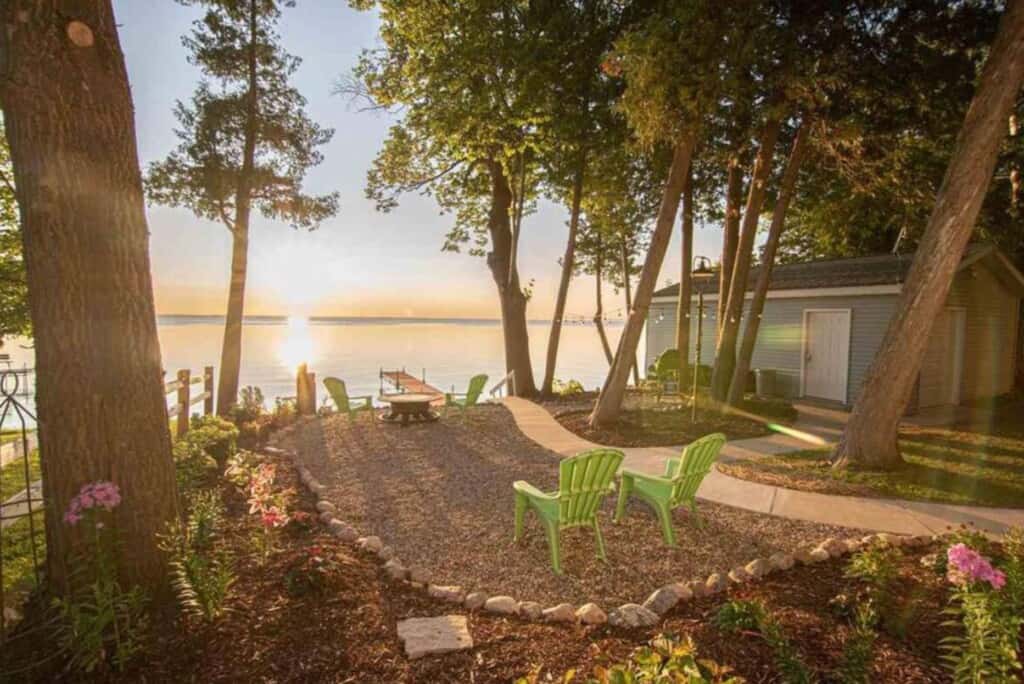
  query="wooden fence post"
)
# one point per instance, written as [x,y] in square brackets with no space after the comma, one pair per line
[183,391]
[208,388]
[305,392]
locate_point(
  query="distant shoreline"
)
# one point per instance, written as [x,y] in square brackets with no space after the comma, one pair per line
[186,319]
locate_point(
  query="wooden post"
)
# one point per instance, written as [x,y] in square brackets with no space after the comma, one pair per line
[305,391]
[183,390]
[208,389]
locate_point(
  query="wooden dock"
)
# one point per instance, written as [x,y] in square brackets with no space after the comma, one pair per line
[402,381]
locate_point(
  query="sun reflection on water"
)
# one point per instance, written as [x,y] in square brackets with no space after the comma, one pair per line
[297,345]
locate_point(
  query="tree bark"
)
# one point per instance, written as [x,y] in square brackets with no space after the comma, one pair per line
[609,403]
[685,283]
[99,389]
[568,264]
[753,321]
[870,437]
[231,350]
[506,278]
[627,266]
[730,236]
[599,311]
[725,352]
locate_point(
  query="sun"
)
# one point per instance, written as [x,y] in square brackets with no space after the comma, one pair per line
[297,346]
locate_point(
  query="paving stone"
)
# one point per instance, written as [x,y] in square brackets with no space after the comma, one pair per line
[434,635]
[591,614]
[504,605]
[475,600]
[563,612]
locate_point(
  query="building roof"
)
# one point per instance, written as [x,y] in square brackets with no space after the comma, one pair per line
[881,269]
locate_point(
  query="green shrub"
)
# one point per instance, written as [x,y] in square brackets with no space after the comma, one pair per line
[285,412]
[667,659]
[736,616]
[249,406]
[201,575]
[568,388]
[858,651]
[215,436]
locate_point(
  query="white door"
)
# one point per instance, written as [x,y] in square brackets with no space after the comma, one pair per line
[826,354]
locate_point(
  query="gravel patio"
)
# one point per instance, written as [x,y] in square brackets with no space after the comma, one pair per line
[440,495]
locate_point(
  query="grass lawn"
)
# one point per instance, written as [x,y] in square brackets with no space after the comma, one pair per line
[981,466]
[12,477]
[645,421]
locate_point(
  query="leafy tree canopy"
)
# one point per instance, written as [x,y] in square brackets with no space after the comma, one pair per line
[14,311]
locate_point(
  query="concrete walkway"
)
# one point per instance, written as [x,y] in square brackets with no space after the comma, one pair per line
[883,515]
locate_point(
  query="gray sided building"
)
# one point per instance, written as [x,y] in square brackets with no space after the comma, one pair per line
[824,321]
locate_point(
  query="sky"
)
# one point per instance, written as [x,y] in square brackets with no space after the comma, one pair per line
[361,262]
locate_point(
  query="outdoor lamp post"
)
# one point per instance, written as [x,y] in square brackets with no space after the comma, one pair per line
[700,273]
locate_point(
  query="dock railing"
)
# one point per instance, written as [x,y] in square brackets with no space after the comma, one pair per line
[507,385]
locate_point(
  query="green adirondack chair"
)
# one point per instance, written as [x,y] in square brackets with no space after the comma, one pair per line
[346,404]
[663,374]
[677,487]
[470,398]
[583,482]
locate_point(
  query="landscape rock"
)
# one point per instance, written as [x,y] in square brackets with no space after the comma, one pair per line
[453,594]
[663,600]
[503,605]
[833,547]
[530,610]
[591,614]
[818,555]
[386,553]
[563,612]
[715,584]
[758,568]
[632,615]
[683,591]
[781,561]
[696,588]
[803,556]
[418,574]
[890,539]
[434,635]
[326,506]
[395,570]
[371,544]
[739,576]
[475,600]
[342,530]
[326,517]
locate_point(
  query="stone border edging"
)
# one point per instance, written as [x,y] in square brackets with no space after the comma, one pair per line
[648,614]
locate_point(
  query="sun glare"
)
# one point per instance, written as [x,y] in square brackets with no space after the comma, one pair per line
[297,345]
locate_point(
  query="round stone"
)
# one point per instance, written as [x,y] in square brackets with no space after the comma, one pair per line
[503,605]
[475,600]
[530,610]
[563,612]
[591,614]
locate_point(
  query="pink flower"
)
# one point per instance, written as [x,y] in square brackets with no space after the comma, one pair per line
[967,565]
[101,494]
[72,518]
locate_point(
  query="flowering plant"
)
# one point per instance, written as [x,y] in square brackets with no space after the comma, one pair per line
[100,621]
[268,503]
[967,565]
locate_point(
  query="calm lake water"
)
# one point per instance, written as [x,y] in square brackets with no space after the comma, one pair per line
[449,351]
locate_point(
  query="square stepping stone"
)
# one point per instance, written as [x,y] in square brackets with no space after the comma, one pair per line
[434,635]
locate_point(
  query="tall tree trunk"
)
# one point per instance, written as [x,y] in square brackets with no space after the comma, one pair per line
[506,278]
[99,389]
[870,437]
[725,352]
[231,349]
[627,267]
[599,311]
[568,264]
[609,403]
[753,321]
[730,236]
[685,283]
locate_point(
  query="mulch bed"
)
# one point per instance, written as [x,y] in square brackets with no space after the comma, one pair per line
[440,495]
[647,422]
[347,632]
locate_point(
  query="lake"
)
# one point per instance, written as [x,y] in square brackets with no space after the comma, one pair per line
[447,351]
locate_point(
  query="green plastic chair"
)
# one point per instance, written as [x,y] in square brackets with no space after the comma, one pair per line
[470,398]
[346,404]
[663,374]
[583,482]
[677,487]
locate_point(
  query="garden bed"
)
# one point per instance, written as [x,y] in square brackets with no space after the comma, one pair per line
[647,421]
[440,495]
